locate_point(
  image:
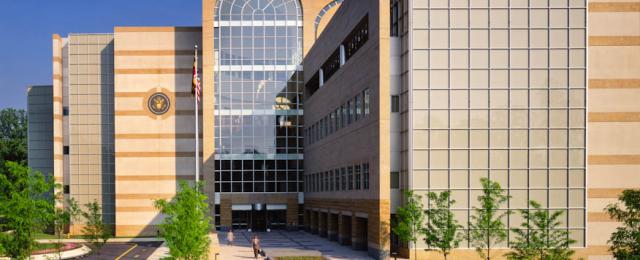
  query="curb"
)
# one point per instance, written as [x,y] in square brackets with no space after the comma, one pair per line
[112,240]
[75,253]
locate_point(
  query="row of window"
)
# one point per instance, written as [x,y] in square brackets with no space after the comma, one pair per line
[353,110]
[259,186]
[354,41]
[355,177]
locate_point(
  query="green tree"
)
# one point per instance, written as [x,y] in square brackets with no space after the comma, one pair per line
[26,208]
[95,230]
[540,236]
[486,228]
[442,229]
[625,241]
[13,136]
[410,219]
[187,222]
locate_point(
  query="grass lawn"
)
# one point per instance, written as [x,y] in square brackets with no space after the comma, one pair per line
[45,246]
[299,258]
[45,236]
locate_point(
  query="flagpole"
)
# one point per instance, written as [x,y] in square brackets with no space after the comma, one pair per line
[195,102]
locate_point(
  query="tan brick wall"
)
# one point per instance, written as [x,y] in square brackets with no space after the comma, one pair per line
[153,152]
[614,81]
[58,170]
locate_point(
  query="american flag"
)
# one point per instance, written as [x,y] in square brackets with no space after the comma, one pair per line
[195,83]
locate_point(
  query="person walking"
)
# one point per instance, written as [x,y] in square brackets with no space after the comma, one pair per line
[255,243]
[230,237]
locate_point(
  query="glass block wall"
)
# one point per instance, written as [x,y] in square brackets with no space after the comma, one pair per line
[91,115]
[496,88]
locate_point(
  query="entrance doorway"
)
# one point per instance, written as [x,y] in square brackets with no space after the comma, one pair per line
[259,217]
[259,220]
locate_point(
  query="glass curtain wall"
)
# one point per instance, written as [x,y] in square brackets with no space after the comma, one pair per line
[258,96]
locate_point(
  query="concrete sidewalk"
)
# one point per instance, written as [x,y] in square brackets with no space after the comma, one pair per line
[286,243]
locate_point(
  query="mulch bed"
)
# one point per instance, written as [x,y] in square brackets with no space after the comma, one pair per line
[65,247]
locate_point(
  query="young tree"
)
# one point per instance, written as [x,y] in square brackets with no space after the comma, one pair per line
[62,216]
[26,208]
[486,228]
[442,229]
[625,241]
[95,230]
[410,219]
[187,222]
[540,236]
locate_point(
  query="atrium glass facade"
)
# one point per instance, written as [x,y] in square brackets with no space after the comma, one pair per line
[258,96]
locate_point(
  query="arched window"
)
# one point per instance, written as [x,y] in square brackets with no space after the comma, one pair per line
[322,12]
[245,10]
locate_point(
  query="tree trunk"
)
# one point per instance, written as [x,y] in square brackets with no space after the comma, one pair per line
[488,246]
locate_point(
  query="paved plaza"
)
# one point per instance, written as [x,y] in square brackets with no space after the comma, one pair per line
[286,243]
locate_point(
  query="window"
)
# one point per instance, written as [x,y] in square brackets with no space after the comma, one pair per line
[366,102]
[338,118]
[345,116]
[331,65]
[395,17]
[358,107]
[358,180]
[395,180]
[313,84]
[351,117]
[343,172]
[65,149]
[357,38]
[330,180]
[326,126]
[332,122]
[337,179]
[66,189]
[65,111]
[350,177]
[365,174]
[325,181]
[395,103]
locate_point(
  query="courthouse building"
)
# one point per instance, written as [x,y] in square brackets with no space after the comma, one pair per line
[318,113]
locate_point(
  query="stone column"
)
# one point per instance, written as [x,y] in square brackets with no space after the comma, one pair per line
[225,213]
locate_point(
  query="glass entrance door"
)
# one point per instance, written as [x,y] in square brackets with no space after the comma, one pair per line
[277,219]
[259,220]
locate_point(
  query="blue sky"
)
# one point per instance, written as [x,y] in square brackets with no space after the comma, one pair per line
[26,27]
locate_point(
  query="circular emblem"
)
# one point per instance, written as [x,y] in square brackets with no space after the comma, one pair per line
[158,103]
